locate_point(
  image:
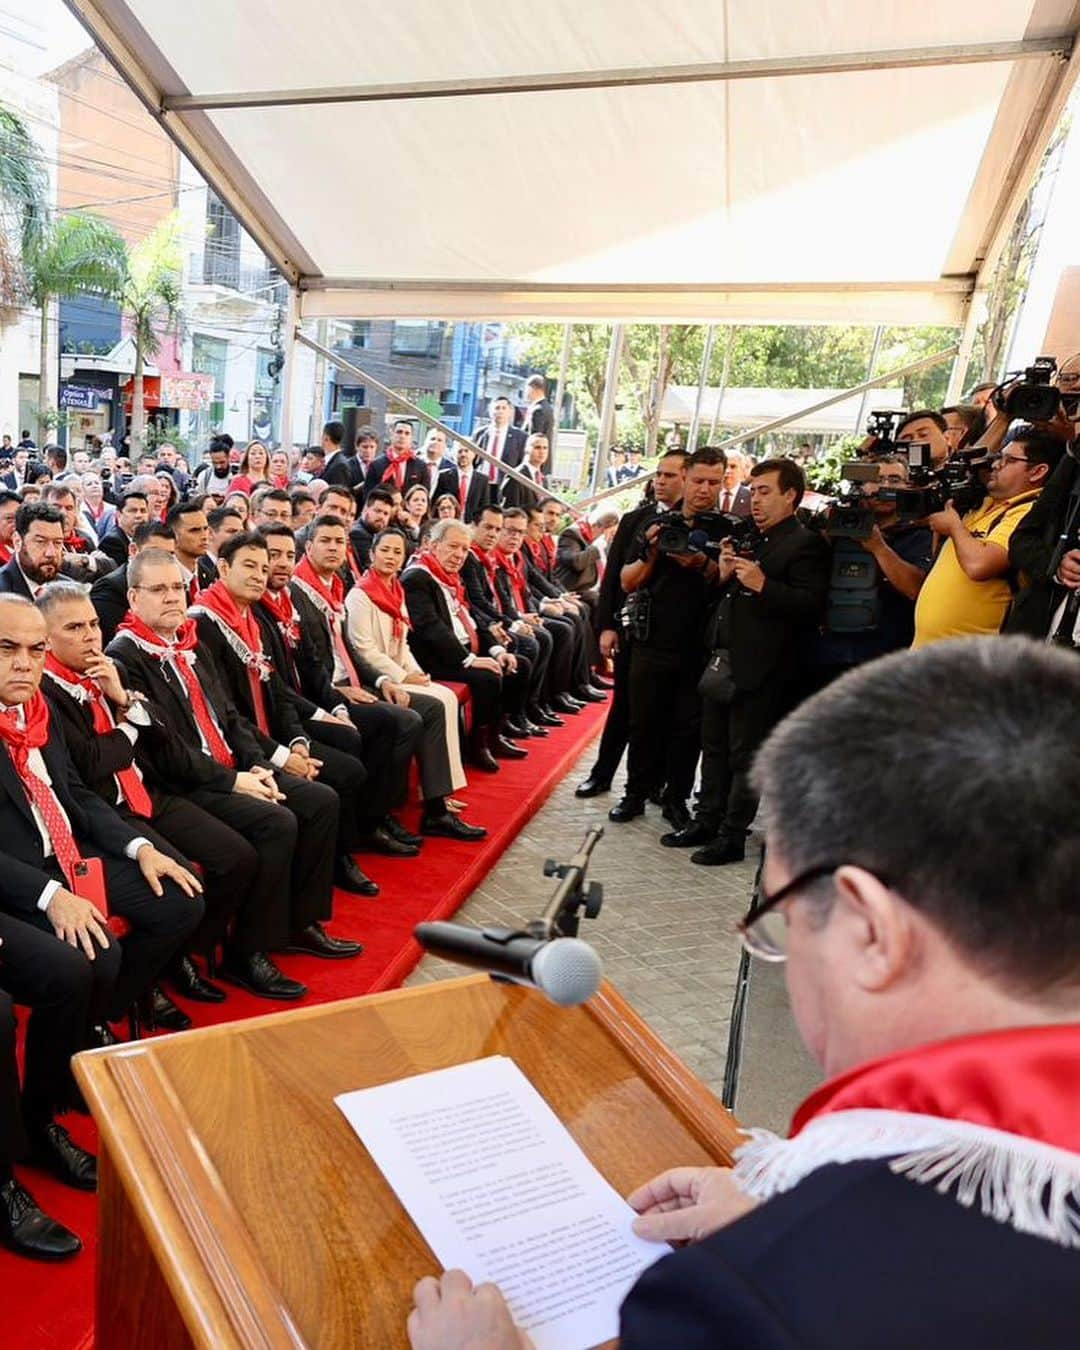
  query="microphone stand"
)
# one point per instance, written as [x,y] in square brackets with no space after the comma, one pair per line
[573,899]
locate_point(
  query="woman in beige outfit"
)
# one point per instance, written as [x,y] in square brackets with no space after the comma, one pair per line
[378,627]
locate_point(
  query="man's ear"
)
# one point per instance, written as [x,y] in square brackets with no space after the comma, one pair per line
[878,927]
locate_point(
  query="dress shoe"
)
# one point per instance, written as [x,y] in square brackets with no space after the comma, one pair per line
[450,827]
[501,748]
[587,694]
[480,757]
[627,808]
[396,830]
[677,816]
[259,976]
[28,1231]
[159,1013]
[543,718]
[692,835]
[599,681]
[722,850]
[563,703]
[314,940]
[348,877]
[592,787]
[54,1150]
[380,840]
[512,727]
[538,731]
[186,980]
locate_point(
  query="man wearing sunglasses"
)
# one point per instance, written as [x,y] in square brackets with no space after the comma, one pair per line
[970,587]
[929,1192]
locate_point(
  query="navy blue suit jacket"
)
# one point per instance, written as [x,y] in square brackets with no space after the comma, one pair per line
[856,1258]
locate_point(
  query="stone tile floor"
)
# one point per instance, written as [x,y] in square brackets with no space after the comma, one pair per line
[666,937]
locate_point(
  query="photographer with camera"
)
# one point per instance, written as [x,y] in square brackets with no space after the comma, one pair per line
[666,584]
[926,427]
[1043,397]
[871,605]
[773,592]
[970,586]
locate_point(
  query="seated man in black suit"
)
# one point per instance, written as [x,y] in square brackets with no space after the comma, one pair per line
[60,843]
[106,727]
[374,518]
[133,511]
[109,594]
[929,1194]
[291,822]
[448,645]
[38,546]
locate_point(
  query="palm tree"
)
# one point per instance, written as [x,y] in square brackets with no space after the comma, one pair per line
[73,255]
[24,187]
[149,292]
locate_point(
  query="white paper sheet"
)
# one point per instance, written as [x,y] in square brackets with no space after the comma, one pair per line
[498,1187]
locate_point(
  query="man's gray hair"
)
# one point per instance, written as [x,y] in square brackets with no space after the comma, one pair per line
[952,774]
[60,592]
[442,528]
[149,557]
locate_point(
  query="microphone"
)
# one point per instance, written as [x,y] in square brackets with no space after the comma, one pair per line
[566,969]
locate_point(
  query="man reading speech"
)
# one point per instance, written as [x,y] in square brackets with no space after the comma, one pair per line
[929,1194]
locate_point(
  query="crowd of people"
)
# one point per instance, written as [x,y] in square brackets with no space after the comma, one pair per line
[216,677]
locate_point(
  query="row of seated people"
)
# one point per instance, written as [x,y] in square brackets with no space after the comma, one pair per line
[207,777]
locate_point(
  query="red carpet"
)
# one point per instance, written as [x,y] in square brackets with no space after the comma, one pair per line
[49,1307]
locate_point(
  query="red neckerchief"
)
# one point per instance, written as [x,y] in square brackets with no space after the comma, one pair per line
[389,596]
[551,548]
[333,595]
[243,625]
[452,581]
[514,567]
[395,468]
[129,780]
[75,543]
[184,642]
[1024,1080]
[20,741]
[6,554]
[586,531]
[354,565]
[529,549]
[488,562]
[279,605]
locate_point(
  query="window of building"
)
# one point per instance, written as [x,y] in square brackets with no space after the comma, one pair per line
[210,356]
[221,253]
[416,337]
[349,396]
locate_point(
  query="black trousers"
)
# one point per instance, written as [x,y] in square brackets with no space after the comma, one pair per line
[65,991]
[561,669]
[161,926]
[229,864]
[665,722]
[316,807]
[344,771]
[585,648]
[432,755]
[492,695]
[527,648]
[616,731]
[730,736]
[389,736]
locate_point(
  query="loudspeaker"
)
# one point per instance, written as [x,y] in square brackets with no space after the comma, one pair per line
[356,420]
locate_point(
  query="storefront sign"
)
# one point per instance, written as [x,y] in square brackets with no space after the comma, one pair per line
[83,396]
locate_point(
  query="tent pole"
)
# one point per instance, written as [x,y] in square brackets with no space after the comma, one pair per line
[607,411]
[922,364]
[394,398]
[706,360]
[875,348]
[958,374]
[288,377]
[560,392]
[722,389]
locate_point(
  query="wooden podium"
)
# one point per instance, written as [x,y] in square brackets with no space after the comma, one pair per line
[238,1208]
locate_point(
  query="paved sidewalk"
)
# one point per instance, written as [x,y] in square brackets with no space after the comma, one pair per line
[666,937]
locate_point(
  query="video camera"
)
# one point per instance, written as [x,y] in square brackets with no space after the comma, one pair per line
[705,534]
[931,489]
[1033,396]
[882,425]
[848,515]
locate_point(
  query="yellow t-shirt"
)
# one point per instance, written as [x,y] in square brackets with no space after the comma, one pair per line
[950,604]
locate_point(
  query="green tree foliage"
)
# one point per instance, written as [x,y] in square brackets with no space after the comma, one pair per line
[149,291]
[24,187]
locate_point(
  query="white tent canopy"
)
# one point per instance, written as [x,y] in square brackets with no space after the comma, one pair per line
[800,160]
[752,407]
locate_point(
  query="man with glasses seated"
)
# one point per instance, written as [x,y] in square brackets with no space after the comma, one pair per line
[929,1192]
[970,587]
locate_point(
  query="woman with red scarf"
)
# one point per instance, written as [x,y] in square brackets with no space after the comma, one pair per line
[378,627]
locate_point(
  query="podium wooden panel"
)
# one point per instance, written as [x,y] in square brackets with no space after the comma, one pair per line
[237,1207]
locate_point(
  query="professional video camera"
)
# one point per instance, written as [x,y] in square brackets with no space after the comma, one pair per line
[931,489]
[882,424]
[704,535]
[848,515]
[1033,396]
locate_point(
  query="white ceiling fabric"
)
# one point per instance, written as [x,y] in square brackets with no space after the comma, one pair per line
[726,199]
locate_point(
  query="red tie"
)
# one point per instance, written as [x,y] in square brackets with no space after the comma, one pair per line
[342,650]
[463,491]
[726,507]
[129,780]
[45,799]
[494,448]
[199,706]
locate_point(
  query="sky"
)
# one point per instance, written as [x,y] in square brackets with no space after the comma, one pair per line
[38,35]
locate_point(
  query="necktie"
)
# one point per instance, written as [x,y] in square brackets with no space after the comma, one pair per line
[463,490]
[496,449]
[199,706]
[129,780]
[48,805]
[725,504]
[342,650]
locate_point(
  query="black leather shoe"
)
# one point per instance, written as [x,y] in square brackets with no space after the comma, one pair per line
[543,718]
[160,1013]
[380,840]
[449,826]
[259,976]
[396,830]
[512,727]
[563,703]
[592,787]
[601,681]
[348,877]
[677,816]
[587,694]
[533,729]
[501,748]
[480,757]
[627,808]
[314,940]
[54,1150]
[692,835]
[186,980]
[719,852]
[28,1231]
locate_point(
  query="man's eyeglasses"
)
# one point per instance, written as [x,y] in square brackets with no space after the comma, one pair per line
[764,930]
[1002,458]
[174,588]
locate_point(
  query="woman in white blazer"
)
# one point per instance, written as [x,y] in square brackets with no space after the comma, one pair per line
[377,623]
